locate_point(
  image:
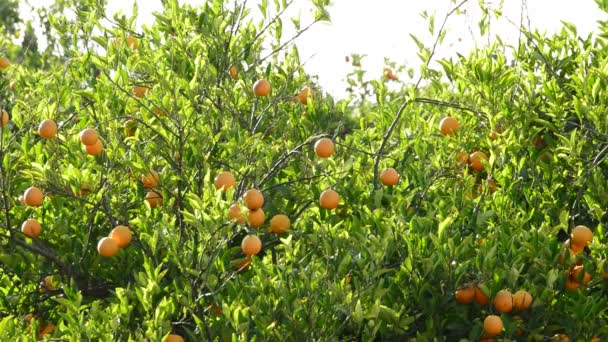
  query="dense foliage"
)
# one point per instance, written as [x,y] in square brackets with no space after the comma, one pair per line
[177,98]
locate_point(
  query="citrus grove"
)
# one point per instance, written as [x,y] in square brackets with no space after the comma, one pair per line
[188,181]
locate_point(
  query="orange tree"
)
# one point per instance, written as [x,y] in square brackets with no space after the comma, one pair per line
[198,185]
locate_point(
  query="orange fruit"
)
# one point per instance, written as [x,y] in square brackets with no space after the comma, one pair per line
[31,228]
[174,338]
[154,199]
[492,185]
[465,295]
[130,127]
[279,224]
[47,284]
[132,42]
[261,88]
[224,181]
[521,300]
[233,72]
[475,160]
[33,196]
[251,245]
[503,301]
[303,95]
[150,179]
[85,189]
[235,214]
[140,91]
[122,236]
[256,217]
[448,126]
[571,284]
[47,129]
[107,247]
[159,112]
[243,265]
[4,63]
[595,339]
[581,236]
[45,330]
[324,147]
[492,325]
[88,136]
[4,120]
[538,140]
[253,199]
[389,176]
[462,157]
[329,199]
[575,274]
[94,149]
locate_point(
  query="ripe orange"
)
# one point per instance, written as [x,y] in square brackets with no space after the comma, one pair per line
[521,300]
[503,301]
[31,228]
[279,224]
[492,325]
[94,149]
[581,236]
[150,179]
[462,157]
[132,42]
[224,181]
[47,284]
[154,199]
[107,247]
[571,284]
[389,176]
[324,147]
[575,274]
[261,88]
[251,245]
[159,112]
[465,295]
[256,217]
[140,91]
[122,236]
[4,63]
[235,214]
[4,120]
[130,127]
[243,265]
[33,196]
[538,140]
[253,199]
[448,126]
[233,72]
[47,129]
[45,330]
[303,95]
[174,338]
[88,136]
[329,199]
[475,160]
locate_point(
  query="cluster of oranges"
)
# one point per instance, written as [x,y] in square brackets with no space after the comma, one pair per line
[119,237]
[503,302]
[448,126]
[580,237]
[91,142]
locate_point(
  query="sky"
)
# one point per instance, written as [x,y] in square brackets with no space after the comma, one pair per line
[382,28]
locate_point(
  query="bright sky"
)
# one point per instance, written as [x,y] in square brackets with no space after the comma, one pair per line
[381,29]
